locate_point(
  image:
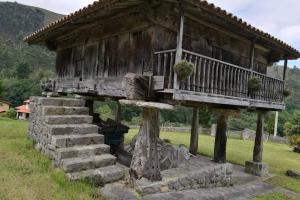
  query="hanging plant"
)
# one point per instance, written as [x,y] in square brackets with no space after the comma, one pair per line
[286,93]
[183,69]
[254,85]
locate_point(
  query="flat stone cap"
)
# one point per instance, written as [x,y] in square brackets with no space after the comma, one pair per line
[145,104]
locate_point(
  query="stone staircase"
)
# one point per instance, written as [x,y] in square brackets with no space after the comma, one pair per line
[64,131]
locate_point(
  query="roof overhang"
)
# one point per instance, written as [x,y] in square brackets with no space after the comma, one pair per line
[72,21]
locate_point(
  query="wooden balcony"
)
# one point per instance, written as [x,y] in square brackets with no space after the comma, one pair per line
[217,82]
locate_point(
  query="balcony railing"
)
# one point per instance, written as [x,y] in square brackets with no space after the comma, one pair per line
[213,76]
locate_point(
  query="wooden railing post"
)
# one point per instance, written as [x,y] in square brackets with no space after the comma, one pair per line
[252,52]
[178,57]
[285,68]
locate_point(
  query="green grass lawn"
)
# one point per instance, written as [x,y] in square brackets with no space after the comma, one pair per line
[279,157]
[25,174]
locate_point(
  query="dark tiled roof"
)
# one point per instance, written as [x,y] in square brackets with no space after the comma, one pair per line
[217,10]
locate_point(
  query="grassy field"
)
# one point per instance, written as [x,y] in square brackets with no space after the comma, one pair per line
[27,175]
[279,157]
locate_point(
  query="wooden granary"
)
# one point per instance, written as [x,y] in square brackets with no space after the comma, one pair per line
[126,50]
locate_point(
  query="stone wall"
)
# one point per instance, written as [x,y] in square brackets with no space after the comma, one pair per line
[38,130]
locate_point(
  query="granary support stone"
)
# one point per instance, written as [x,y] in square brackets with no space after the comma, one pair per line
[194,132]
[256,166]
[221,138]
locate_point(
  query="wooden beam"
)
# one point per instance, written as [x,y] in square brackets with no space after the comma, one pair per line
[252,55]
[178,57]
[221,138]
[194,132]
[285,68]
[258,146]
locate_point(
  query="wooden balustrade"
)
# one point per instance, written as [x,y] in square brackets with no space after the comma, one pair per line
[213,76]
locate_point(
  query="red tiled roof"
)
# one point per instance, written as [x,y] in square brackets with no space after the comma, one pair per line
[217,10]
[22,109]
[2,110]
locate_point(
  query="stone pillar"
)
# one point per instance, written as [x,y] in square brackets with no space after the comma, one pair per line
[194,132]
[257,167]
[221,139]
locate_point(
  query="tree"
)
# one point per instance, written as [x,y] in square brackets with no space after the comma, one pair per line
[293,127]
[22,70]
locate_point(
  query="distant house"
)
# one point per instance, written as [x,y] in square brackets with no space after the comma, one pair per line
[23,111]
[4,106]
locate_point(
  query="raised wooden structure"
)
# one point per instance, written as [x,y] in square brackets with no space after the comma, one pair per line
[125,49]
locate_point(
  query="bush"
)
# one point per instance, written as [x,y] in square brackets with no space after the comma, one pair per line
[254,85]
[183,69]
[294,141]
[11,114]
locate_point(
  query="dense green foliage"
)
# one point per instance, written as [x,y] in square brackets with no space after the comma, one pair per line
[22,66]
[11,114]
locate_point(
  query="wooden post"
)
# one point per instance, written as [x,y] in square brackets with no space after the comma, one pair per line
[119,119]
[221,139]
[285,68]
[194,132]
[258,146]
[90,104]
[252,53]
[178,57]
[276,123]
[145,161]
[118,112]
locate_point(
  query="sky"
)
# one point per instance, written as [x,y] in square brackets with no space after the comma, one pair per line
[280,18]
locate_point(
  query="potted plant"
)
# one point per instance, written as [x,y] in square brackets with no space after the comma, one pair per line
[183,69]
[286,93]
[254,85]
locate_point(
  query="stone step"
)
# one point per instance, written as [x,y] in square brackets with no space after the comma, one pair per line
[68,119]
[93,162]
[99,176]
[64,141]
[82,151]
[61,110]
[61,102]
[73,129]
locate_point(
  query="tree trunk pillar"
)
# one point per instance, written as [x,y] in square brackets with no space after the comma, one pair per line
[194,132]
[258,146]
[256,166]
[221,139]
[145,162]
